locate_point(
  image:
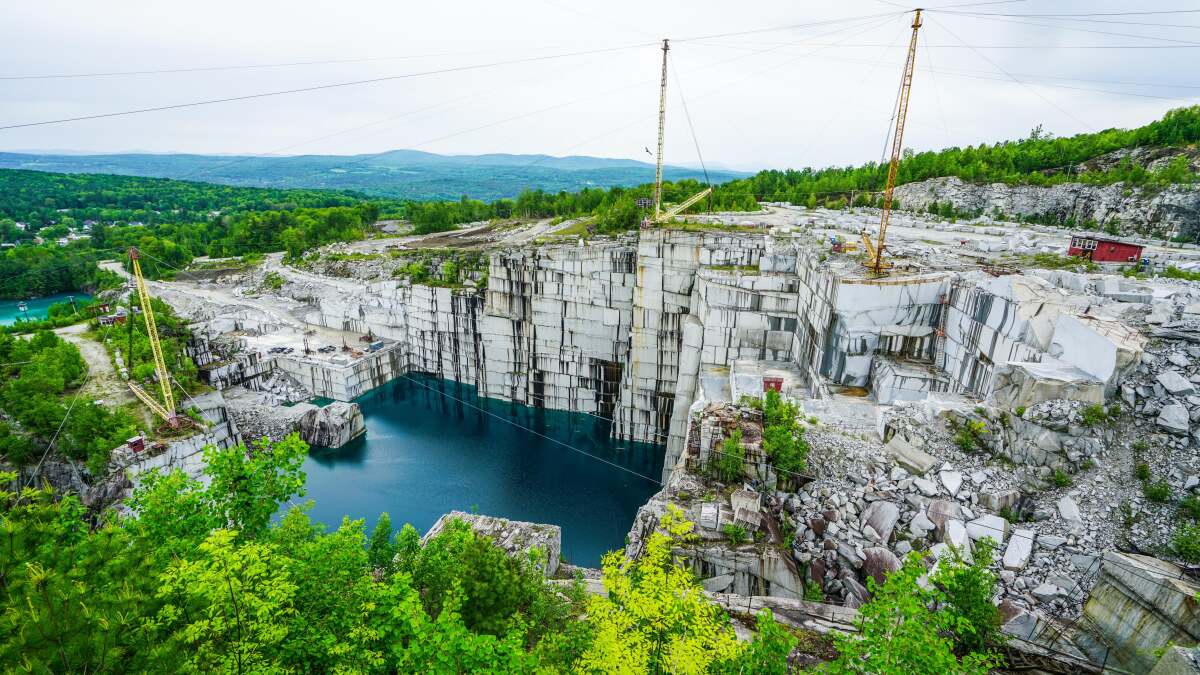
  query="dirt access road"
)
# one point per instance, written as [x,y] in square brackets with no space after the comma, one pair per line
[104,384]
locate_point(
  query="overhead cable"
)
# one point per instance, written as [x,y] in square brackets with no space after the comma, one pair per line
[1013,77]
[334,85]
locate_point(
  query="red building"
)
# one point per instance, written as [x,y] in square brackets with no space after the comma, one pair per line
[1101,249]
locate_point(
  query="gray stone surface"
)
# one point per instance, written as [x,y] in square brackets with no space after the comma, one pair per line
[915,460]
[1175,384]
[988,525]
[881,516]
[1068,510]
[1018,551]
[1174,417]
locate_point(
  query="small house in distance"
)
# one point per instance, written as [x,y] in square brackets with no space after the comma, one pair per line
[117,317]
[1103,249]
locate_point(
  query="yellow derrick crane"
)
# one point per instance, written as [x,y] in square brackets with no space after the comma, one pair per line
[166,410]
[661,216]
[874,260]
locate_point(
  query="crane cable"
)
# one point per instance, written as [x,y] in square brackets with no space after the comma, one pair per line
[691,127]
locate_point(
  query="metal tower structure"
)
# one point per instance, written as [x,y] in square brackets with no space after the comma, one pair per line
[875,261]
[166,409]
[661,216]
[662,125]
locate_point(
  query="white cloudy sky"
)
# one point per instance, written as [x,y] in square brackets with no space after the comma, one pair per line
[815,95]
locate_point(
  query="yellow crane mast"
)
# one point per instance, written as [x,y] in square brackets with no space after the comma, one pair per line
[662,124]
[661,216]
[166,410]
[874,260]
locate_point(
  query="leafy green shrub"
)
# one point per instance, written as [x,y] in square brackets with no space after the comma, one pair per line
[1093,415]
[813,592]
[1140,445]
[1061,479]
[736,534]
[1187,542]
[1019,411]
[747,401]
[783,437]
[767,654]
[968,589]
[1190,508]
[1173,272]
[730,463]
[274,281]
[969,437]
[964,441]
[1158,491]
[1142,471]
[899,633]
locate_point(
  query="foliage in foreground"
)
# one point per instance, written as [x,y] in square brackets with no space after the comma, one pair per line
[901,635]
[203,580]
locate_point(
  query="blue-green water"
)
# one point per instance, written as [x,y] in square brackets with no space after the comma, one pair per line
[9,312]
[425,454]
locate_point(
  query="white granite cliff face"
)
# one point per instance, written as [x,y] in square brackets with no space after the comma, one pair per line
[595,329]
[630,329]
[1174,210]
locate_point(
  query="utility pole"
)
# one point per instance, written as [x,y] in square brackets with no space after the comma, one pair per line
[875,261]
[662,122]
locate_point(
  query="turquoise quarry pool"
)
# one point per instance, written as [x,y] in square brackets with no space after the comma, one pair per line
[430,447]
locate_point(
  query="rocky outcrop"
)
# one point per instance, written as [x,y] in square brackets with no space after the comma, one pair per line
[513,536]
[333,425]
[68,476]
[1163,213]
[1140,605]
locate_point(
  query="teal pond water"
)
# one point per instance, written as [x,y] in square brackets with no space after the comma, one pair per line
[10,311]
[425,454]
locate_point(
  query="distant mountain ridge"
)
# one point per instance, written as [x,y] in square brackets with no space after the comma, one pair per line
[408,174]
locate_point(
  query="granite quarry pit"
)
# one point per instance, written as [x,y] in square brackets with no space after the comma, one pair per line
[967,394]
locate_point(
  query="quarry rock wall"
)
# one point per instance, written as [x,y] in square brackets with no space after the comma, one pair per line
[1163,213]
[637,330]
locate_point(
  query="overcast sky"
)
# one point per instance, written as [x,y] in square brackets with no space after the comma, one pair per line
[807,96]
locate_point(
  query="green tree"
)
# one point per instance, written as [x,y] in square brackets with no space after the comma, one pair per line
[655,617]
[900,634]
[247,486]
[767,653]
[228,609]
[967,587]
[783,438]
[382,549]
[73,600]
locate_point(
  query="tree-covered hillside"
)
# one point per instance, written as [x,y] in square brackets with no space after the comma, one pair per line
[399,174]
[1040,159]
[50,198]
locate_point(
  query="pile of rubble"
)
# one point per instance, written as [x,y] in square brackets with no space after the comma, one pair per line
[1164,390]
[857,517]
[881,512]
